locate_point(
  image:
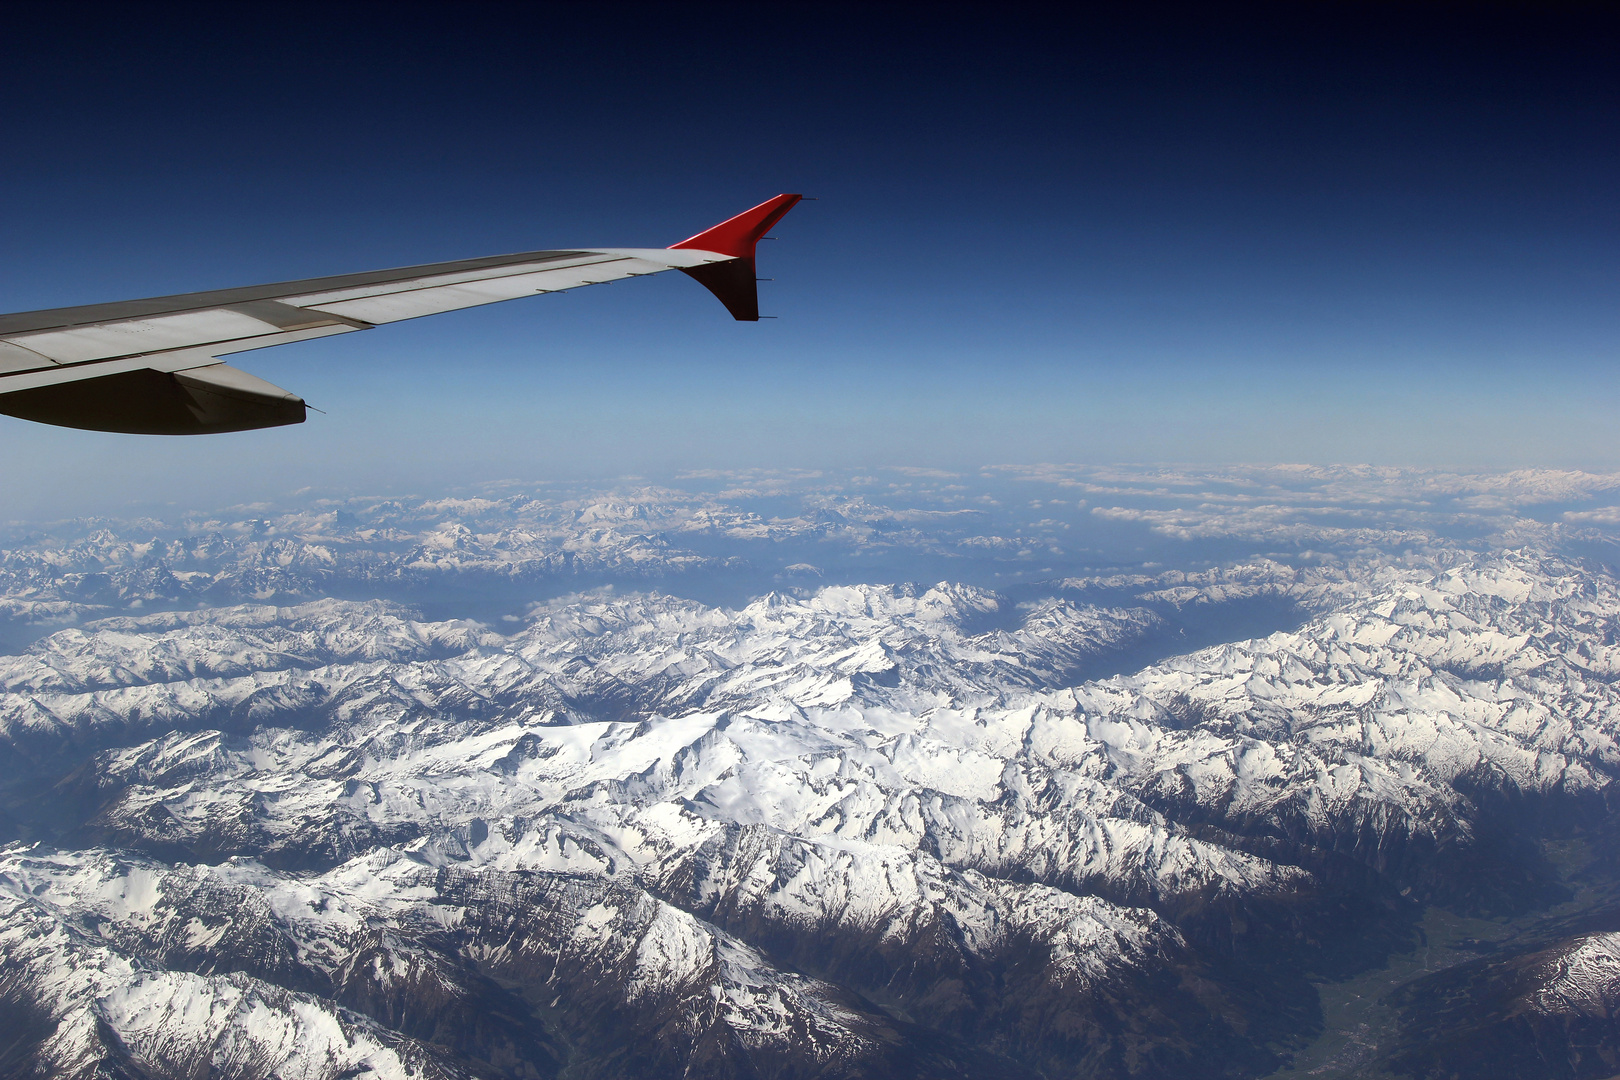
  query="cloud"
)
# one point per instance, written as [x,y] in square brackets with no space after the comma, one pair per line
[1604,515]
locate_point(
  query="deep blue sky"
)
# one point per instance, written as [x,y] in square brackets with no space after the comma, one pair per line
[1311,232]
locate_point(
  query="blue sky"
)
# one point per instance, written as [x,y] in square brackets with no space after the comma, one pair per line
[1324,233]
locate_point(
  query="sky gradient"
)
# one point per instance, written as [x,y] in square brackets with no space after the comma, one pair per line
[1315,233]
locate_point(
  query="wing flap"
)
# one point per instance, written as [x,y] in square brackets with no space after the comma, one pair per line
[108,341]
[287,317]
[431,300]
[414,298]
[433,281]
[17,358]
[426,297]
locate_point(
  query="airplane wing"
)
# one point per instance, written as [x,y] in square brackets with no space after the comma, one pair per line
[153,366]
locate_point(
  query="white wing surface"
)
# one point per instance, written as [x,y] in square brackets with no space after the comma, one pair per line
[153,366]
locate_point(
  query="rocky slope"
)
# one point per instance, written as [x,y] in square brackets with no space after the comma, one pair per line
[1544,1009]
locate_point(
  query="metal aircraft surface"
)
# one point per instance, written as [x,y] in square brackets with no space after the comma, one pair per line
[153,367]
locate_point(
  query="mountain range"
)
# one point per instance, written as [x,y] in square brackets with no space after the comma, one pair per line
[837,830]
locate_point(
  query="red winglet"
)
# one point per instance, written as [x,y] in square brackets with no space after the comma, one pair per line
[733,282]
[737,236]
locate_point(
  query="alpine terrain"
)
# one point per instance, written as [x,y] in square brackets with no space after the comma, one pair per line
[1220,775]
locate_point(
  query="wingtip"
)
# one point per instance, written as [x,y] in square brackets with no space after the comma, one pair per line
[733,282]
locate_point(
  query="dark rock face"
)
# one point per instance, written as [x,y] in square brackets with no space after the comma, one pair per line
[1539,1011]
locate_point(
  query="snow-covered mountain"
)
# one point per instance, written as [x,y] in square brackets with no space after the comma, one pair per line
[867,830]
[731,537]
[1163,751]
